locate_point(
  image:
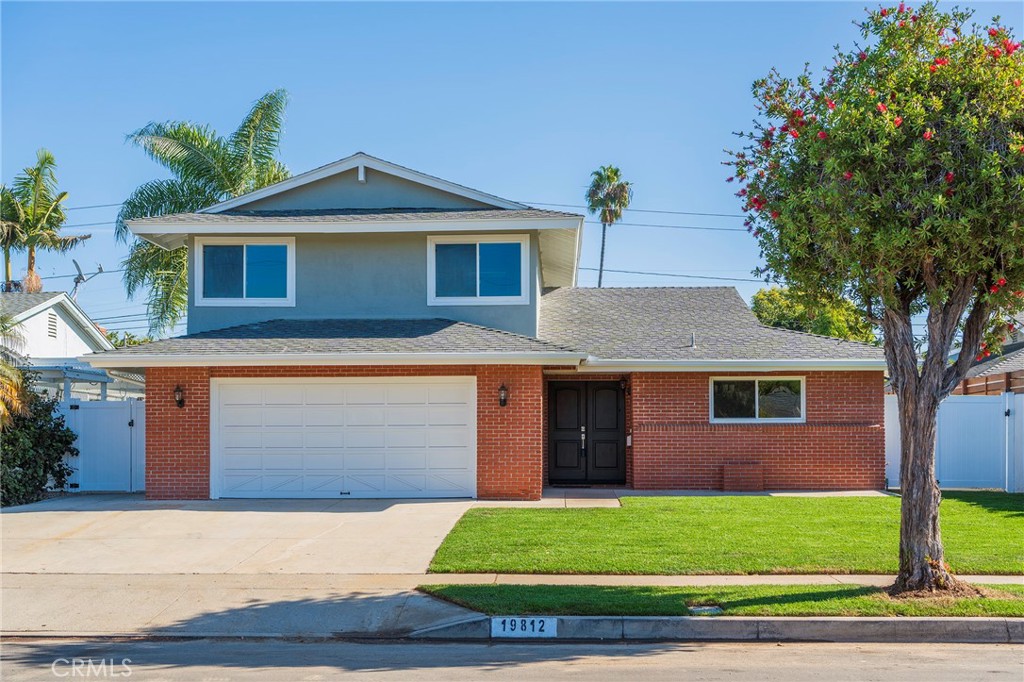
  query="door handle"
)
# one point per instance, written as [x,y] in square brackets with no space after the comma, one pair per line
[583,438]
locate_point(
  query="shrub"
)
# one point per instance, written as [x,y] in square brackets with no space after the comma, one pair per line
[32,451]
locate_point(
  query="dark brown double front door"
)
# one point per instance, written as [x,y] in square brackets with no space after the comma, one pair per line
[587,432]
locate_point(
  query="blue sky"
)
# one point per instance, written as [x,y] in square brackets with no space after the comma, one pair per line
[522,100]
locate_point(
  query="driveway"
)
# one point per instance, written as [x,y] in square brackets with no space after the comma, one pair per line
[123,534]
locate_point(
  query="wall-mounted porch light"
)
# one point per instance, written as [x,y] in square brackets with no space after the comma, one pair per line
[503,395]
[179,396]
[624,385]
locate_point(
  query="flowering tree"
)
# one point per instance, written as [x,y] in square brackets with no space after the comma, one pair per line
[896,180]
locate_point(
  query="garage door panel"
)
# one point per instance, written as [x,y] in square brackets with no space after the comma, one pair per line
[365,438]
[407,416]
[324,394]
[241,416]
[449,394]
[449,437]
[282,394]
[234,438]
[365,416]
[325,416]
[324,439]
[365,394]
[446,458]
[407,395]
[340,438]
[284,416]
[240,395]
[411,459]
[406,438]
[448,415]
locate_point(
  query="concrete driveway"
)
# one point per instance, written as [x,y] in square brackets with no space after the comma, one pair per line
[124,534]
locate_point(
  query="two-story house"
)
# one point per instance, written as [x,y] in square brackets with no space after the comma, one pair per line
[367,330]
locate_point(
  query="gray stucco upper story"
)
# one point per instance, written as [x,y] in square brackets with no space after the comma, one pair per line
[370,275]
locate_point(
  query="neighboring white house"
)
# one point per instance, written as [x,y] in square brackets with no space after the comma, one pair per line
[55,332]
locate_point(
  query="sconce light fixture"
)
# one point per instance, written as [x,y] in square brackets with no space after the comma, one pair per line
[503,395]
[624,385]
[179,396]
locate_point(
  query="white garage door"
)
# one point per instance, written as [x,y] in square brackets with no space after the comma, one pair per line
[341,438]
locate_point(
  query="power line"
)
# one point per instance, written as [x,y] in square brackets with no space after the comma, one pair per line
[105,222]
[675,274]
[83,208]
[674,227]
[644,210]
[76,274]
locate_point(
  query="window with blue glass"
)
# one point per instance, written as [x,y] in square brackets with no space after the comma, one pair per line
[257,273]
[478,270]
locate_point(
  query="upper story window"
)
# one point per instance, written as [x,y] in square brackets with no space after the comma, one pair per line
[478,270]
[245,271]
[767,399]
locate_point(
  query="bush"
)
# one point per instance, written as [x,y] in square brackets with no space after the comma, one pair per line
[32,451]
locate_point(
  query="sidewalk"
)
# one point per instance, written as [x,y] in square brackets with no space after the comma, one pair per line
[312,605]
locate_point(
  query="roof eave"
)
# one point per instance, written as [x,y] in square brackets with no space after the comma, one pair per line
[728,365]
[82,320]
[130,360]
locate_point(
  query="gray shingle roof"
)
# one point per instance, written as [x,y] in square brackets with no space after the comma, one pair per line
[15,303]
[343,215]
[656,323]
[1011,360]
[345,337]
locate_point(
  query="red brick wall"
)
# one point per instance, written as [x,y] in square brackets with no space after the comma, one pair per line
[509,439]
[842,445]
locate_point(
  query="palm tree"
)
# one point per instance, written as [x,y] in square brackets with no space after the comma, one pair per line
[207,169]
[11,400]
[32,218]
[609,194]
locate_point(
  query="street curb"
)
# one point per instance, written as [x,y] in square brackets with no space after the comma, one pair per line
[742,629]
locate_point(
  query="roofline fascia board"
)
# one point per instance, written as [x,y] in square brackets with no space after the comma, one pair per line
[357,226]
[85,323]
[235,360]
[593,364]
[366,161]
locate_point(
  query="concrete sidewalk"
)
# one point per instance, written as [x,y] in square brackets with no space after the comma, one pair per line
[316,605]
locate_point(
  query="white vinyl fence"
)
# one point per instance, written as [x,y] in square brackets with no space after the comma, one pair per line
[111,444]
[980,442]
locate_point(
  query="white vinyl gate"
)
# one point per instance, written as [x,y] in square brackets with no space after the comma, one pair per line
[979,442]
[111,445]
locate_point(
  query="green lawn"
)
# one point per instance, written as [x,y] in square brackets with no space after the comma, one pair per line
[753,600]
[983,533]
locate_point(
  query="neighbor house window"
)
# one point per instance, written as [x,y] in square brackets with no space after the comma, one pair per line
[245,271]
[775,399]
[479,270]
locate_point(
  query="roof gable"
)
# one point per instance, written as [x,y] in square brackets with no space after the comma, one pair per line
[365,182]
[22,306]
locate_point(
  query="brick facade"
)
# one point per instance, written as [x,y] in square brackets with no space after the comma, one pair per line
[509,439]
[841,445]
[674,445]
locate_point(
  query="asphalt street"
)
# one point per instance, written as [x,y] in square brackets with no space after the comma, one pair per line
[272,660]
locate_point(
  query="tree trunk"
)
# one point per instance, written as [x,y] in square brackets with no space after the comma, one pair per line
[600,268]
[7,269]
[922,558]
[32,283]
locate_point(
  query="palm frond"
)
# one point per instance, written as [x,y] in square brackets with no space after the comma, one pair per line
[608,194]
[164,197]
[188,150]
[254,145]
[164,274]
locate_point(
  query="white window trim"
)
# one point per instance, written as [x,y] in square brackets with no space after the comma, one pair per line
[524,268]
[757,420]
[286,302]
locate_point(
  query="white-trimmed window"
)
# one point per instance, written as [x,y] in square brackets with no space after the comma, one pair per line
[758,400]
[478,269]
[245,271]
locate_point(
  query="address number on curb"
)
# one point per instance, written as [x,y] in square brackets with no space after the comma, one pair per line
[523,626]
